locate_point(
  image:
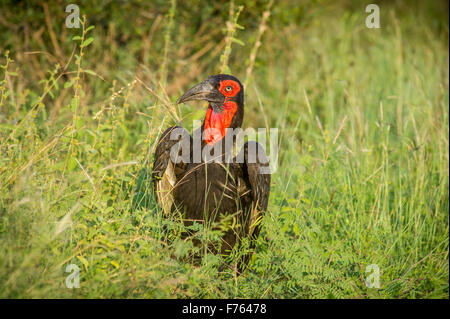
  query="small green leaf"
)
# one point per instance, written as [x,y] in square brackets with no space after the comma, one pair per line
[296,230]
[79,123]
[237,41]
[90,72]
[87,42]
[68,84]
[76,38]
[72,163]
[84,261]
[74,104]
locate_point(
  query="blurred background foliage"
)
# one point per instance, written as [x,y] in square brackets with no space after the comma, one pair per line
[132,33]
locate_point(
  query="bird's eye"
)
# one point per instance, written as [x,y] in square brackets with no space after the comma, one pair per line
[229,88]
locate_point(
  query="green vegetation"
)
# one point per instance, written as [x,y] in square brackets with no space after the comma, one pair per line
[363,120]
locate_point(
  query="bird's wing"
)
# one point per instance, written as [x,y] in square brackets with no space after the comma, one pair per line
[256,167]
[169,164]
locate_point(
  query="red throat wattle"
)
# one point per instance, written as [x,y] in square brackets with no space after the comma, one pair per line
[216,124]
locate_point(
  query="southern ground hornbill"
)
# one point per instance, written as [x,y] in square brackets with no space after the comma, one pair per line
[210,188]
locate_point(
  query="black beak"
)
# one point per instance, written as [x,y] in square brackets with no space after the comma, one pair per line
[204,91]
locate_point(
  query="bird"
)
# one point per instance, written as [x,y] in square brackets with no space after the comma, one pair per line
[234,192]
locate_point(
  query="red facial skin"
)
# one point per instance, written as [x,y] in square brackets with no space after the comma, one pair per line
[216,124]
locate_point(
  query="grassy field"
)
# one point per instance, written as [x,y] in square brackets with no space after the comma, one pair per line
[363,167]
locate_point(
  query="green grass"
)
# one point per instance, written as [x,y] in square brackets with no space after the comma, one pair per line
[363,173]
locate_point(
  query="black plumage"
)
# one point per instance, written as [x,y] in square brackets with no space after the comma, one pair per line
[213,190]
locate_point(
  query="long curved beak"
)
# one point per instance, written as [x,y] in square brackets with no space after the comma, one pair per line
[202,91]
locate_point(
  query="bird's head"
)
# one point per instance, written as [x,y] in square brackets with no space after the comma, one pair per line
[225,95]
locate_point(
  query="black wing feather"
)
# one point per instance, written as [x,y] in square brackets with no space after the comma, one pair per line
[256,167]
[166,173]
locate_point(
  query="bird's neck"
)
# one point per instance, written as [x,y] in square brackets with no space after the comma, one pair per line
[215,124]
